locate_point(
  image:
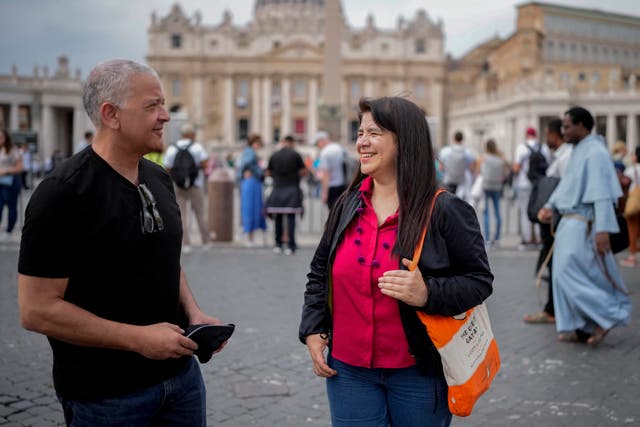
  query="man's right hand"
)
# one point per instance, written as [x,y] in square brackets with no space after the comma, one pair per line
[545,215]
[316,345]
[163,341]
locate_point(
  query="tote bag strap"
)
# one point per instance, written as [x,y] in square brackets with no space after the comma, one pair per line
[418,250]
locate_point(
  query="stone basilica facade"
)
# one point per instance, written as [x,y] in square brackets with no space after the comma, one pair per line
[268,76]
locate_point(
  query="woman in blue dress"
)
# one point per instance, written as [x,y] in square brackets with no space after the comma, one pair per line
[251,176]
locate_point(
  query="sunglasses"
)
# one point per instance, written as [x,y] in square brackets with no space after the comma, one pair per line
[150,219]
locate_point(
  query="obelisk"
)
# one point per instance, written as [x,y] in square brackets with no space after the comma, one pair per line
[330,109]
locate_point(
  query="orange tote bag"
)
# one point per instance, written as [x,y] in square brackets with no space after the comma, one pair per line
[467,347]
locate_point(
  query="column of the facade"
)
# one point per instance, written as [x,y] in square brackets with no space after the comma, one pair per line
[612,131]
[436,89]
[227,123]
[344,116]
[46,137]
[632,132]
[13,117]
[312,109]
[198,101]
[254,125]
[369,88]
[267,132]
[78,126]
[285,124]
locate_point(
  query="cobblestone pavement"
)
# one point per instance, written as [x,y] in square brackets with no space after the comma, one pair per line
[264,377]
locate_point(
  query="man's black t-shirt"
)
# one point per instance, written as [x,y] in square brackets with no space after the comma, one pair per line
[83,223]
[285,166]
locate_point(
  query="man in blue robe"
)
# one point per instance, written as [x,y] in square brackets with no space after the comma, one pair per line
[588,292]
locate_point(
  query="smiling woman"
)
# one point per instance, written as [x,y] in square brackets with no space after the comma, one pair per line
[362,302]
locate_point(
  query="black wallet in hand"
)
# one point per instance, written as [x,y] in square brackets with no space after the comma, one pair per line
[209,338]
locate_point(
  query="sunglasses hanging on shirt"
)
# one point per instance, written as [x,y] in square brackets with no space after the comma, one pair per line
[150,219]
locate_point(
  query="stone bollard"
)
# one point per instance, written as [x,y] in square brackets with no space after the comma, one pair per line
[220,189]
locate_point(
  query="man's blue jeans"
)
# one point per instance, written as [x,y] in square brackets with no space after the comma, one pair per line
[371,397]
[178,401]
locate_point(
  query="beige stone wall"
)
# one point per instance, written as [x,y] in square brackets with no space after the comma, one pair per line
[212,63]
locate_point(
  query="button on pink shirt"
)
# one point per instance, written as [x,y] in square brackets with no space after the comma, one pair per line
[367,330]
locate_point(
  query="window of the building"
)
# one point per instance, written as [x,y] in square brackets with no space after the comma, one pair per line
[582,76]
[175,108]
[242,94]
[4,116]
[213,44]
[594,53]
[243,130]
[355,89]
[420,90]
[605,54]
[276,44]
[584,53]
[384,47]
[574,52]
[595,77]
[354,125]
[299,89]
[420,45]
[24,117]
[176,41]
[561,51]
[616,55]
[549,49]
[243,88]
[565,78]
[300,126]
[176,86]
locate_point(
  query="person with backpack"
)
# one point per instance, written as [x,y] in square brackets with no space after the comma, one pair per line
[333,169]
[184,161]
[529,157]
[456,160]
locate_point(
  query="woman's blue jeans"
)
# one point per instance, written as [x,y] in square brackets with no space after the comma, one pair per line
[494,198]
[178,401]
[9,198]
[372,397]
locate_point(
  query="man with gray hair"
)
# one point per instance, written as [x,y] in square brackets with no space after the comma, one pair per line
[99,268]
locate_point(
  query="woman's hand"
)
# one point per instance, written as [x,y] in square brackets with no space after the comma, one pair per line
[406,286]
[316,344]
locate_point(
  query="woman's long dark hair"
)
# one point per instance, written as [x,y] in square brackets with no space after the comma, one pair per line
[416,175]
[8,145]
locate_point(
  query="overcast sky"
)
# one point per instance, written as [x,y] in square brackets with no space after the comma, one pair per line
[36,32]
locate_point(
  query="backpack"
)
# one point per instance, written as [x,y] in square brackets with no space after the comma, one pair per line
[349,166]
[184,170]
[537,164]
[455,164]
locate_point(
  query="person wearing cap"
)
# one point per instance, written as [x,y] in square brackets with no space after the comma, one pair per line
[522,186]
[192,196]
[331,169]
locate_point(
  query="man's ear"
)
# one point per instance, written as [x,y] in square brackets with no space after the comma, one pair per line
[110,116]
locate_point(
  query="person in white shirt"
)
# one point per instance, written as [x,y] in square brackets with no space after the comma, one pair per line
[522,186]
[192,195]
[457,161]
[331,169]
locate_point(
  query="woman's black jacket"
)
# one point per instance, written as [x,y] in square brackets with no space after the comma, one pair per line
[453,263]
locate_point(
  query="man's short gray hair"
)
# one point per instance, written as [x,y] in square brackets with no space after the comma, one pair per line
[110,81]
